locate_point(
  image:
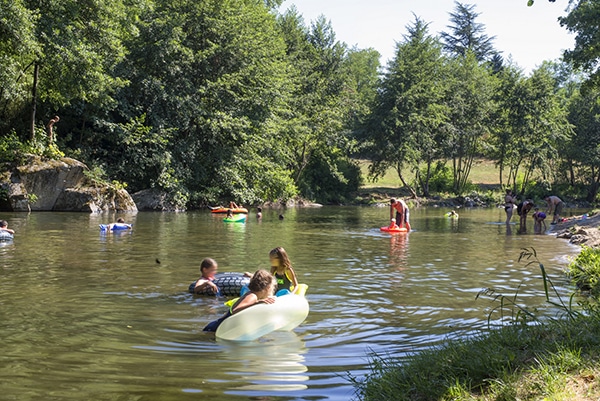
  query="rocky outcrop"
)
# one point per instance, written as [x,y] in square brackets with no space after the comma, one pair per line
[58,185]
[155,200]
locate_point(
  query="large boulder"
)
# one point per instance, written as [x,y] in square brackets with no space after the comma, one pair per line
[155,200]
[58,185]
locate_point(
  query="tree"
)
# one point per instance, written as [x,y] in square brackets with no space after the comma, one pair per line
[533,127]
[466,35]
[80,44]
[471,104]
[584,22]
[584,147]
[18,48]
[410,114]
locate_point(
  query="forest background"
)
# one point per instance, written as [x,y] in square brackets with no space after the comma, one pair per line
[232,100]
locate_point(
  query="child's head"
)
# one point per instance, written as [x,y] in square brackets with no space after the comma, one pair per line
[279,257]
[262,280]
[120,220]
[208,267]
[3,223]
[259,209]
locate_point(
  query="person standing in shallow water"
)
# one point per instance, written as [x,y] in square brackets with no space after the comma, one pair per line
[509,204]
[402,213]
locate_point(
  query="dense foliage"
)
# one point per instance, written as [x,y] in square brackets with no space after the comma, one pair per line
[234,99]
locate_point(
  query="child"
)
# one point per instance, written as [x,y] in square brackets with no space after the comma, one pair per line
[229,214]
[282,269]
[119,225]
[393,225]
[261,286]
[538,220]
[259,213]
[4,227]
[208,269]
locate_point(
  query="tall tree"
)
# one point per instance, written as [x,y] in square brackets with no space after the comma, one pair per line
[467,35]
[471,104]
[584,20]
[18,49]
[584,147]
[409,116]
[80,44]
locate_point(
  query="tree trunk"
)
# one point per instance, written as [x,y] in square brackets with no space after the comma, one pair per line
[36,71]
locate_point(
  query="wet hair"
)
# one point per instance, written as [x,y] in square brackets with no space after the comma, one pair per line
[3,223]
[120,220]
[392,200]
[280,254]
[207,263]
[261,280]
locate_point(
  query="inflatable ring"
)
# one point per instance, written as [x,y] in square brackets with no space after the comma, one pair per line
[394,230]
[115,227]
[285,314]
[238,218]
[230,284]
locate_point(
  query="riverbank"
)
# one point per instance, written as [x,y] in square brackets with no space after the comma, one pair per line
[579,230]
[526,359]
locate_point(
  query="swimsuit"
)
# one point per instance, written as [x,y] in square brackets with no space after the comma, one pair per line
[283,282]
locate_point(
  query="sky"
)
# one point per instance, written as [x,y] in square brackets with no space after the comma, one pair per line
[529,35]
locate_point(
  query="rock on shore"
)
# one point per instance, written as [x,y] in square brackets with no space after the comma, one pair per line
[58,185]
[579,230]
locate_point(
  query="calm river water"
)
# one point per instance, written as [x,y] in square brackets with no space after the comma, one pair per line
[87,316]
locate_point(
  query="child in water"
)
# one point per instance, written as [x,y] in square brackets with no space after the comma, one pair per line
[208,269]
[538,221]
[261,286]
[4,227]
[282,269]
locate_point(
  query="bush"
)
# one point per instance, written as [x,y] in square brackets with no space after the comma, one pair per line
[584,270]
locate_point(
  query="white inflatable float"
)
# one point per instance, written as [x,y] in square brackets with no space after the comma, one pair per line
[285,314]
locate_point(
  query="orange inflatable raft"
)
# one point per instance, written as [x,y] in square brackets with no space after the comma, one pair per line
[221,209]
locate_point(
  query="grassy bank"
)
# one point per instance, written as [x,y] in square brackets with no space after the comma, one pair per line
[484,179]
[528,359]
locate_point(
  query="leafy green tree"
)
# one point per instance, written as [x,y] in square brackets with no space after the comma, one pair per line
[584,147]
[534,127]
[499,147]
[17,50]
[583,20]
[471,103]
[408,120]
[329,96]
[80,44]
[211,77]
[467,35]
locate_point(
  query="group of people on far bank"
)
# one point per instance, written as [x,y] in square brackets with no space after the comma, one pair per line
[554,206]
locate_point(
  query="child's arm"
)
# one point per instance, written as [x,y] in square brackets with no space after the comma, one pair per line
[203,284]
[292,276]
[249,300]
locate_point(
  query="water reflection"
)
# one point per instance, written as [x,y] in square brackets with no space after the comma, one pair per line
[275,362]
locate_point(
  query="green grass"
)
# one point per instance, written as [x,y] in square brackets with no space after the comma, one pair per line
[483,173]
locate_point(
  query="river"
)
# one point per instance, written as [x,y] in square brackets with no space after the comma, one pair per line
[108,317]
